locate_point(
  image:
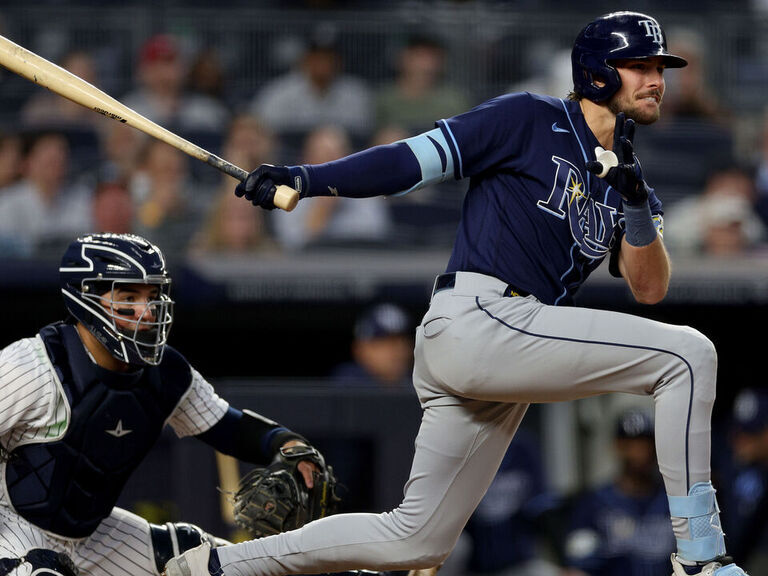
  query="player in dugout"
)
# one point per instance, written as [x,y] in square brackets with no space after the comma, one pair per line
[85,400]
[555,188]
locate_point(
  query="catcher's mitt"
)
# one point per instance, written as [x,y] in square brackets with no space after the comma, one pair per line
[275,499]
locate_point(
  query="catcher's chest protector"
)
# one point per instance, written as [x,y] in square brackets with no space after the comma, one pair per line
[68,486]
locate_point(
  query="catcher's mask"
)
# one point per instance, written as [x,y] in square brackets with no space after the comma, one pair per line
[611,37]
[101,278]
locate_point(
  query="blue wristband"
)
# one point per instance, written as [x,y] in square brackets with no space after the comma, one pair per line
[640,229]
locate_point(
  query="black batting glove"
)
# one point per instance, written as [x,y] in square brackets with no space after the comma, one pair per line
[626,176]
[260,185]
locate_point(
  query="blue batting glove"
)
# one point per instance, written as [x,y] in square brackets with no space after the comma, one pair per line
[260,185]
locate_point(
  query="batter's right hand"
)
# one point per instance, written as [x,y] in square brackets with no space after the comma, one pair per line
[626,177]
[260,185]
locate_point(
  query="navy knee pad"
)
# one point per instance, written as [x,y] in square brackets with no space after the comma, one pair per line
[174,538]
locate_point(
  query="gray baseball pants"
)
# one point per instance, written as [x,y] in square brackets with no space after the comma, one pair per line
[480,360]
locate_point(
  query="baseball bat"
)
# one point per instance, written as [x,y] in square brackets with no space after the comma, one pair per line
[37,69]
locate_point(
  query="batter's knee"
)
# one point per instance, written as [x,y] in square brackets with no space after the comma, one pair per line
[694,350]
[430,554]
[701,353]
[413,555]
[420,546]
[695,365]
[697,346]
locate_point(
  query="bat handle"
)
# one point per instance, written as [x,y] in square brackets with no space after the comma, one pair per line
[286,197]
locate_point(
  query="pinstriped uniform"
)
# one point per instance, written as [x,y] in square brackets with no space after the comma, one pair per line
[33,408]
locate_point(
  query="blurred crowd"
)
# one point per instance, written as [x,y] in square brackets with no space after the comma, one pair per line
[65,170]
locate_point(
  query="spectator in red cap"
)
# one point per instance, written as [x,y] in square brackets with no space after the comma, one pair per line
[160,92]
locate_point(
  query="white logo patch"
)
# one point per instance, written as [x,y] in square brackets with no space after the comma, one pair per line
[119,431]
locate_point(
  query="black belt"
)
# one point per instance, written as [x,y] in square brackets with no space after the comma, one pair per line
[447,281]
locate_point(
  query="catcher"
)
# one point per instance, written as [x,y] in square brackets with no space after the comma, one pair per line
[84,401]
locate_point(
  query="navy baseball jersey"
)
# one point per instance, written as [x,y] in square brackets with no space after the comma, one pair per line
[614,534]
[746,499]
[539,221]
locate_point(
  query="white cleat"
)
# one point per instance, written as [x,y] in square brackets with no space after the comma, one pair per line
[719,567]
[193,562]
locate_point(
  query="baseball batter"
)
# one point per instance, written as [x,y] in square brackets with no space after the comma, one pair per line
[84,401]
[554,190]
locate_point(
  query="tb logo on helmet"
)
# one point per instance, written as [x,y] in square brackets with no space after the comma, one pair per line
[653,30]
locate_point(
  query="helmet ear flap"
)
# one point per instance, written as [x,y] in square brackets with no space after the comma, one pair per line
[595,79]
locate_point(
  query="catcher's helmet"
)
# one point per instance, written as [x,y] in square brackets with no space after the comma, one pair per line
[92,267]
[615,36]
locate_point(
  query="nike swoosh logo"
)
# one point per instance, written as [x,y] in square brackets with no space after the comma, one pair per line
[556,128]
[119,431]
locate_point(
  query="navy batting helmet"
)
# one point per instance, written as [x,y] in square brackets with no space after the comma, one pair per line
[615,36]
[92,268]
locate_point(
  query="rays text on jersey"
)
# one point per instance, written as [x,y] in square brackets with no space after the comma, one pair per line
[591,222]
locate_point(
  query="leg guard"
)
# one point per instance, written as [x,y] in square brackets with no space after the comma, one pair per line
[172,539]
[706,534]
[43,562]
[191,563]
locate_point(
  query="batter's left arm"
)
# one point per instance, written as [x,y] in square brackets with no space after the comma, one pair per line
[391,169]
[646,270]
